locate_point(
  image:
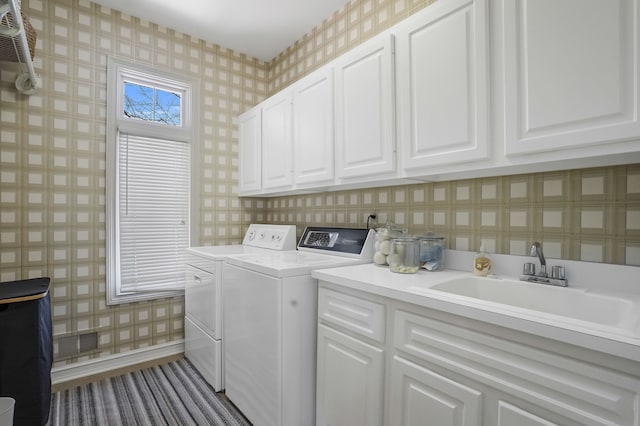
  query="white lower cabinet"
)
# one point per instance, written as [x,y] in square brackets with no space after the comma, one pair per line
[351,360]
[435,368]
[519,381]
[350,380]
[509,414]
[420,396]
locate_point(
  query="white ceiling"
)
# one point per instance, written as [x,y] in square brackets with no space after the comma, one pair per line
[260,28]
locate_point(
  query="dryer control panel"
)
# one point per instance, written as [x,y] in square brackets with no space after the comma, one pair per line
[350,242]
[274,237]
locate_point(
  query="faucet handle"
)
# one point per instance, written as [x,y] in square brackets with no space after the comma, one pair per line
[529,269]
[558,272]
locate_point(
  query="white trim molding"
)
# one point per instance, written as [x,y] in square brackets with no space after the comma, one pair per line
[104,364]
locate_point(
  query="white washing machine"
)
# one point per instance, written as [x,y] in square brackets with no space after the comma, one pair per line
[270,312]
[204,273]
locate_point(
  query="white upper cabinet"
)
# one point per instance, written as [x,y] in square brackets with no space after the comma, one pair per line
[313,130]
[365,130]
[277,144]
[459,89]
[250,135]
[442,74]
[570,73]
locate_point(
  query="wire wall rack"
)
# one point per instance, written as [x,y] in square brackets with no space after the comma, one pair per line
[17,44]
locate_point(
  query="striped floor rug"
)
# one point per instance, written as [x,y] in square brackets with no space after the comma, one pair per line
[169,394]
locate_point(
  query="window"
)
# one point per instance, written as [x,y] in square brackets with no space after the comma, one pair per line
[152,104]
[151,141]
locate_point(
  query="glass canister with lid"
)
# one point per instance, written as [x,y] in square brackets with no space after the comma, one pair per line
[404,255]
[384,235]
[431,252]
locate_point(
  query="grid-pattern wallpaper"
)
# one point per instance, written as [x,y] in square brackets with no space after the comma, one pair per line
[590,215]
[52,163]
[349,26]
[52,169]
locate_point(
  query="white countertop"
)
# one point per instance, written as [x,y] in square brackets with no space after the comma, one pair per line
[416,289]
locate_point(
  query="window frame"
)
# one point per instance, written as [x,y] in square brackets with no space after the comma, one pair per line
[119,71]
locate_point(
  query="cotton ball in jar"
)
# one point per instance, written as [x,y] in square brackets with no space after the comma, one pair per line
[385,247]
[394,259]
[384,236]
[379,258]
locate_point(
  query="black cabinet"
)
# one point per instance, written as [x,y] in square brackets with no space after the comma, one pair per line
[26,351]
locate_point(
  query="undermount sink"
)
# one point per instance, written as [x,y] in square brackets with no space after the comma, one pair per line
[574,303]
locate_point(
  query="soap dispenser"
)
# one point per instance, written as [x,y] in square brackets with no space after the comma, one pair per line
[482,262]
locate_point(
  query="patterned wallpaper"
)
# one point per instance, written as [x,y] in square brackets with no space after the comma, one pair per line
[349,26]
[591,214]
[52,163]
[52,169]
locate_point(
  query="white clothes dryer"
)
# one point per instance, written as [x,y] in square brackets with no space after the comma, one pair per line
[204,274]
[270,312]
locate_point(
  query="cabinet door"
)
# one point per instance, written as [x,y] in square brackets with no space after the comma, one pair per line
[350,387]
[277,147]
[570,73]
[250,134]
[365,129]
[554,386]
[313,133]
[442,77]
[420,396]
[511,415]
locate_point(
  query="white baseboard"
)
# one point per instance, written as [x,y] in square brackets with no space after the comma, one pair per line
[79,370]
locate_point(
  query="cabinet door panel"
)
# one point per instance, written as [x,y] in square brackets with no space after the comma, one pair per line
[355,314]
[566,387]
[443,91]
[250,134]
[509,415]
[277,148]
[571,76]
[313,128]
[365,132]
[350,380]
[420,396]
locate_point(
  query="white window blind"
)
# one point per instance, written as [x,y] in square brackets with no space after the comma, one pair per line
[152,180]
[153,209]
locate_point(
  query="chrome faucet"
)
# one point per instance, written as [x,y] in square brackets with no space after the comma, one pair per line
[529,272]
[536,250]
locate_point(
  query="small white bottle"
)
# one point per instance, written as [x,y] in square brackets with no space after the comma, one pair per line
[482,262]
